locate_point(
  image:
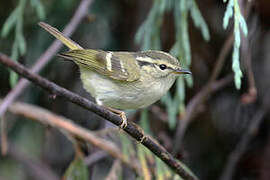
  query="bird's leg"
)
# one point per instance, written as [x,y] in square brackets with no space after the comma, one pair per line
[142,139]
[122,115]
[116,111]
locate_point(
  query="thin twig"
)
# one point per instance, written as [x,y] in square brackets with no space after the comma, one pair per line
[131,128]
[192,108]
[113,172]
[242,145]
[48,118]
[4,141]
[33,167]
[1,178]
[78,16]
[251,95]
[95,157]
[106,131]
[159,113]
[201,96]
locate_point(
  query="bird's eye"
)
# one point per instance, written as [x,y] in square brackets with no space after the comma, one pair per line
[162,66]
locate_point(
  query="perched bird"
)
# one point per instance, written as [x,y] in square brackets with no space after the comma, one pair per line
[122,80]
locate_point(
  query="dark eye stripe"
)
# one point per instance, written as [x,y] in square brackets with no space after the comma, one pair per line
[144,63]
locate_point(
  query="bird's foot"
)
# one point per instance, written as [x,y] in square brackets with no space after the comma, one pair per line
[142,139]
[124,120]
[122,115]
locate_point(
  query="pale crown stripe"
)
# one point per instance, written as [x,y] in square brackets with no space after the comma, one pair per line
[109,61]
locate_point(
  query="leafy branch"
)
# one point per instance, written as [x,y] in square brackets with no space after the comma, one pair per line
[15,21]
[149,35]
[132,129]
[239,22]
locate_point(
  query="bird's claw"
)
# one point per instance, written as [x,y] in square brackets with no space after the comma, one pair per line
[124,120]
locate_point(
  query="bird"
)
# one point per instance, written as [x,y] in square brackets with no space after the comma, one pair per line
[120,80]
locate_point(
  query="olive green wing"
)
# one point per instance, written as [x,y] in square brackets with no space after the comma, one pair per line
[116,65]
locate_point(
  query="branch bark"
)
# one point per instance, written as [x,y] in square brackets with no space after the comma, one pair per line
[47,118]
[246,55]
[33,167]
[242,145]
[132,129]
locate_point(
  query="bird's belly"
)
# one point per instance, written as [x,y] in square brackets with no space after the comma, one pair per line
[119,95]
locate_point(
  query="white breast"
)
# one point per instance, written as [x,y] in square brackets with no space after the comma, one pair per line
[121,95]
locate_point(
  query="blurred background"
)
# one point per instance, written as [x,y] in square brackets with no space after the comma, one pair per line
[215,122]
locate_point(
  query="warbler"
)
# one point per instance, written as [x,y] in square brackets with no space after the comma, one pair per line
[122,80]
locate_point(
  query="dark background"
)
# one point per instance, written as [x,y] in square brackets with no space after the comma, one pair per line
[222,123]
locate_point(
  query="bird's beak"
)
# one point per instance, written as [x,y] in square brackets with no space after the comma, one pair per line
[181,71]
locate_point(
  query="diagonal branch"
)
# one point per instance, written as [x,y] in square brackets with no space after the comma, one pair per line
[34,168]
[132,129]
[80,13]
[45,117]
[3,134]
[246,56]
[241,147]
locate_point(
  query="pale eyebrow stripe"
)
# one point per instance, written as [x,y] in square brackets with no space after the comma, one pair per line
[144,59]
[150,60]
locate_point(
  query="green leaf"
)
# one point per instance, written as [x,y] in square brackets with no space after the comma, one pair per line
[169,4]
[126,146]
[183,5]
[162,6]
[14,51]
[198,20]
[180,85]
[172,109]
[243,25]
[77,170]
[13,78]
[228,13]
[37,5]
[175,49]
[149,35]
[144,122]
[239,22]
[237,37]
[182,32]
[189,80]
[22,43]
[188,170]
[9,23]
[236,67]
[172,113]
[149,31]
[166,99]
[142,156]
[159,168]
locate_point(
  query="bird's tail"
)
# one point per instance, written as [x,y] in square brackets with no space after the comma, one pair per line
[60,36]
